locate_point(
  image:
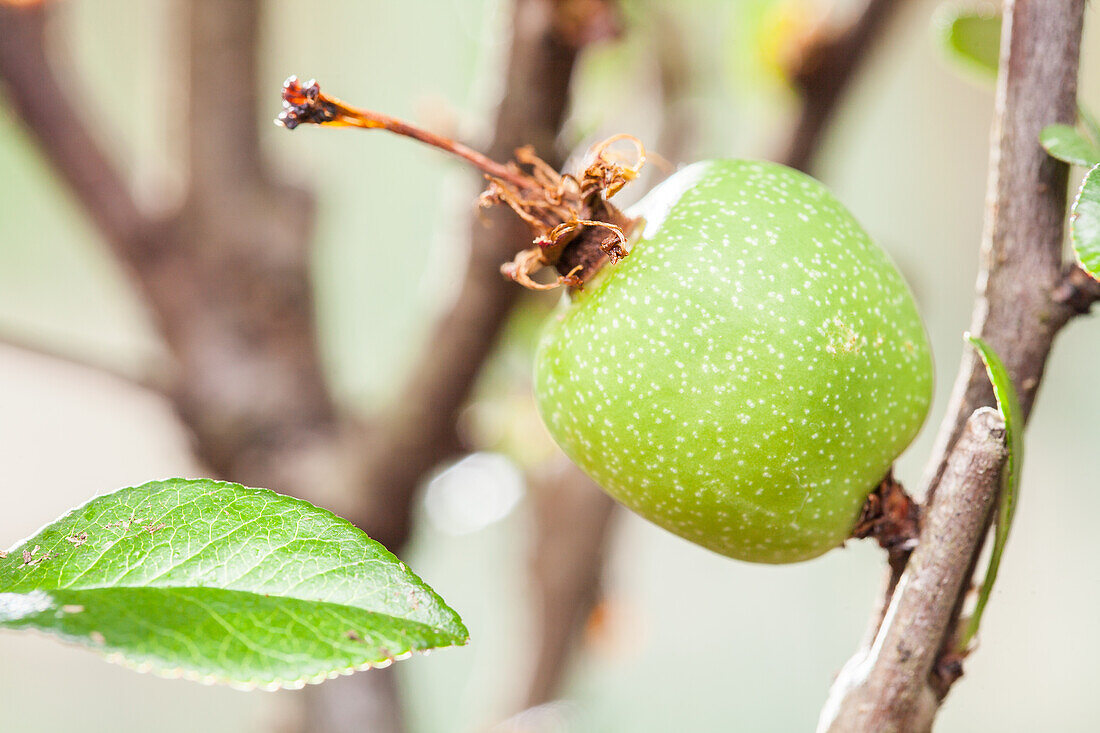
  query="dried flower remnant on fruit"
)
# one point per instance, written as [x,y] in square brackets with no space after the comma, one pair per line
[575,229]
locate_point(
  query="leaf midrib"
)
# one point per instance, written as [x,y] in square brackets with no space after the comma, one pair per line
[459,637]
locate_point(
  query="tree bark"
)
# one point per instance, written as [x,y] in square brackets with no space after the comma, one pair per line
[1025,296]
[885,689]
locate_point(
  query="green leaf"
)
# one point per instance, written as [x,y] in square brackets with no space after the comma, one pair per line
[217,582]
[971,38]
[1009,405]
[1084,223]
[1068,145]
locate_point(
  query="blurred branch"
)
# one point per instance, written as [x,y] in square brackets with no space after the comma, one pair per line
[222,69]
[1026,296]
[827,67]
[226,277]
[60,130]
[153,377]
[674,73]
[572,519]
[420,432]
[897,696]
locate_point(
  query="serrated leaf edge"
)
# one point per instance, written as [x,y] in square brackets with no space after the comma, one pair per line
[1094,171]
[265,685]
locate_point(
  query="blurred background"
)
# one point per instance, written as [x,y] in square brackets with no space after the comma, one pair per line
[680,639]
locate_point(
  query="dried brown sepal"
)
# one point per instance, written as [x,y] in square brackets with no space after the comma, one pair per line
[574,227]
[892,518]
[526,263]
[604,170]
[578,206]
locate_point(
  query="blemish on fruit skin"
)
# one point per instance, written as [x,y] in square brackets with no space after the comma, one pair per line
[755,413]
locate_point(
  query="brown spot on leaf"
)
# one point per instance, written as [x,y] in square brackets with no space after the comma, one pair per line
[78,539]
[125,524]
[33,559]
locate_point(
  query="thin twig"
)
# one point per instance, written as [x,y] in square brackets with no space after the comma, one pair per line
[307,103]
[886,688]
[1025,297]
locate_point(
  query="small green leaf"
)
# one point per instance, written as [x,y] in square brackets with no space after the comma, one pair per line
[221,583]
[1009,405]
[1090,123]
[1068,145]
[972,38]
[1084,223]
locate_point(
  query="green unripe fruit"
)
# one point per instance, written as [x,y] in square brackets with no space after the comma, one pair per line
[746,377]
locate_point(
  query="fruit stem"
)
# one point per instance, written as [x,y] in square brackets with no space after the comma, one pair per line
[305,103]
